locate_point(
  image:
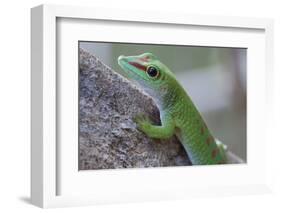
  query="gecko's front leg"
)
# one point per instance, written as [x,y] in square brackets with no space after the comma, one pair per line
[165,131]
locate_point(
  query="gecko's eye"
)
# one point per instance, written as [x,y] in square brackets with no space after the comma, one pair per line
[152,72]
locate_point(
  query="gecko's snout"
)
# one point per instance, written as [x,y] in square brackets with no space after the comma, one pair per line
[123,60]
[121,57]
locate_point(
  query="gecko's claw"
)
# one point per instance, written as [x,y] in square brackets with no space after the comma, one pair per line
[142,121]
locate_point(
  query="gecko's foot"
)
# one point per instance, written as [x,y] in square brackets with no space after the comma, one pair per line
[143,122]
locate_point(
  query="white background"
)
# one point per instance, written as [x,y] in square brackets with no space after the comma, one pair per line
[15,99]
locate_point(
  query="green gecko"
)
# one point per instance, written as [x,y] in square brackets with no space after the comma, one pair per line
[178,114]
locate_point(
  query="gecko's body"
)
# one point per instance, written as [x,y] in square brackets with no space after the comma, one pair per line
[178,114]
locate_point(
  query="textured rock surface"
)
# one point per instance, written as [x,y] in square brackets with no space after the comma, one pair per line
[108,136]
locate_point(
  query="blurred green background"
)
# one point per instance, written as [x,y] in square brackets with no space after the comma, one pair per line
[215,79]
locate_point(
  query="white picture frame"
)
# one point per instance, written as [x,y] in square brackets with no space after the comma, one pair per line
[47,171]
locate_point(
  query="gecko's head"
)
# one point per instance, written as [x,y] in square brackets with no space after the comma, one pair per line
[147,70]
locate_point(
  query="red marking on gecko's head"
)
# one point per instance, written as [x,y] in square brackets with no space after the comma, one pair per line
[144,59]
[137,65]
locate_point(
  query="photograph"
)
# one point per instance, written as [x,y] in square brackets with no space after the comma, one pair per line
[150,105]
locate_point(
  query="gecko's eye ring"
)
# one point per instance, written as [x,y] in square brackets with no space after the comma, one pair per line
[152,72]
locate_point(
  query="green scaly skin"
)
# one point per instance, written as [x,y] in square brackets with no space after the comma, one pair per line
[178,114]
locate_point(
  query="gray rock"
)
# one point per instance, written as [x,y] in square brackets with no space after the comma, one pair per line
[108,137]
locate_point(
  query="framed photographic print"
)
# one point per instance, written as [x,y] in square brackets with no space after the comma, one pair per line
[130,106]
